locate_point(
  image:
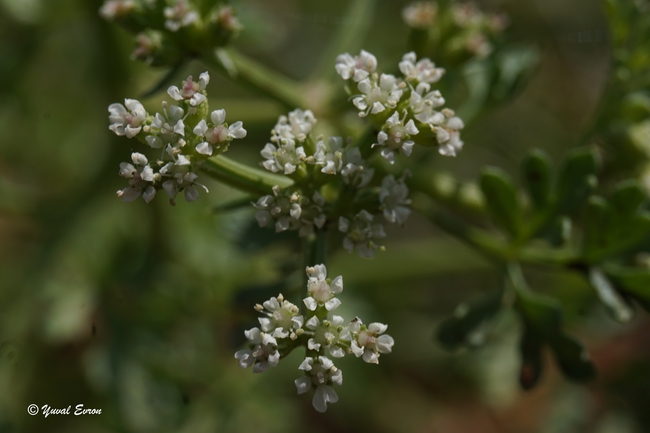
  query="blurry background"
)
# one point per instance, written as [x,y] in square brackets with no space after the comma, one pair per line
[138,309]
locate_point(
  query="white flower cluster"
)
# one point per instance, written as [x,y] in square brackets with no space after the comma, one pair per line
[470,28]
[180,14]
[292,152]
[184,137]
[402,107]
[420,15]
[291,211]
[283,329]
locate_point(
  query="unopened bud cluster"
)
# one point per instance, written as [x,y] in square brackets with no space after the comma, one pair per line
[406,109]
[167,30]
[283,328]
[354,205]
[184,134]
[465,30]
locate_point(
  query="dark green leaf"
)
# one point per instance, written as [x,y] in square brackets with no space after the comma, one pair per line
[627,198]
[597,220]
[573,359]
[469,323]
[537,176]
[501,200]
[576,179]
[542,319]
[631,281]
[558,232]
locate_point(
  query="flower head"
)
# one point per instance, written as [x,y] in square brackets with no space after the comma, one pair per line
[262,354]
[180,15]
[422,71]
[322,291]
[377,95]
[191,91]
[360,232]
[357,67]
[320,373]
[127,120]
[217,134]
[368,342]
[395,136]
[393,196]
[141,179]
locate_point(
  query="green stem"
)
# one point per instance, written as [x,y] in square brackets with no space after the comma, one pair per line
[243,177]
[495,249]
[256,76]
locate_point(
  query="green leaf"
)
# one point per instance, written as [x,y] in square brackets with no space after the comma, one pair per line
[530,347]
[573,359]
[609,233]
[537,176]
[470,322]
[501,200]
[576,179]
[541,313]
[543,324]
[634,282]
[609,296]
[558,232]
[627,198]
[597,220]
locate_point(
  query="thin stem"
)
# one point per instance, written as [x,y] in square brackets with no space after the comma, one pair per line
[256,76]
[243,177]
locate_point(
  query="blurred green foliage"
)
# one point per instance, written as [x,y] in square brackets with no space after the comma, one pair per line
[138,309]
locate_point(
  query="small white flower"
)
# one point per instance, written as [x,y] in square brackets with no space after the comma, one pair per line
[116,9]
[191,90]
[322,291]
[182,180]
[180,15]
[396,136]
[377,96]
[360,233]
[368,342]
[282,317]
[424,71]
[393,196]
[330,155]
[219,134]
[322,374]
[448,134]
[420,15]
[264,353]
[168,127]
[284,158]
[290,211]
[423,104]
[357,67]
[127,120]
[293,127]
[329,334]
[141,179]
[355,171]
